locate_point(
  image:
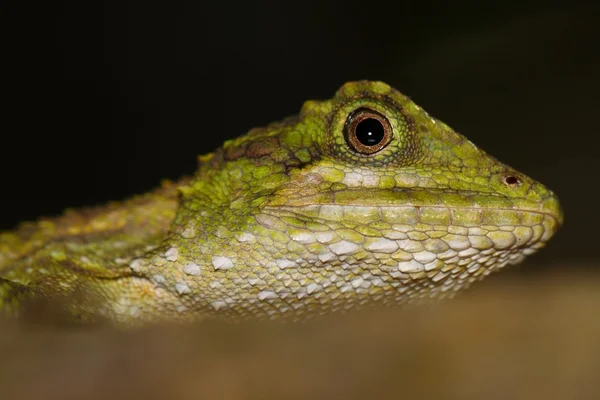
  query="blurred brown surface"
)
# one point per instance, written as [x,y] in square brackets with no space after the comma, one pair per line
[517,338]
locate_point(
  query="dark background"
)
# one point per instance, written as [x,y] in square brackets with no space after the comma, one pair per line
[103,101]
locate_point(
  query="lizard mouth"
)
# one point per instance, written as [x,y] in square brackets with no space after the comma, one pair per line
[433,206]
[412,235]
[424,210]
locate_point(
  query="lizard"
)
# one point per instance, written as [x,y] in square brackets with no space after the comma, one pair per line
[358,200]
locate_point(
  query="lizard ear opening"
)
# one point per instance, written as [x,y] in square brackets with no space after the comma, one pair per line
[367,131]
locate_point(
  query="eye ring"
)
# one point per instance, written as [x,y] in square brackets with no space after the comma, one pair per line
[367,131]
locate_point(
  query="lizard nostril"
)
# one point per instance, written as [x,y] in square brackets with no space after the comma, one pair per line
[512,181]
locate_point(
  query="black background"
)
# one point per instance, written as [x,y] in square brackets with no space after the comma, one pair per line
[104,100]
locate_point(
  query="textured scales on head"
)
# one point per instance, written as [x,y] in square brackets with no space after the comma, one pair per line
[291,219]
[359,200]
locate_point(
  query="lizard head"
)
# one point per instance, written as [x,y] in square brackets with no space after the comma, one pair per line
[363,195]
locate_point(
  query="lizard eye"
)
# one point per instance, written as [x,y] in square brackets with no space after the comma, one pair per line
[367,131]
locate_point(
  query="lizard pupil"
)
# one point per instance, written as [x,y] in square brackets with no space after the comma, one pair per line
[370,132]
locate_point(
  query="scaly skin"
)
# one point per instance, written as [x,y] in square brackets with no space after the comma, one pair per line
[292,220]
